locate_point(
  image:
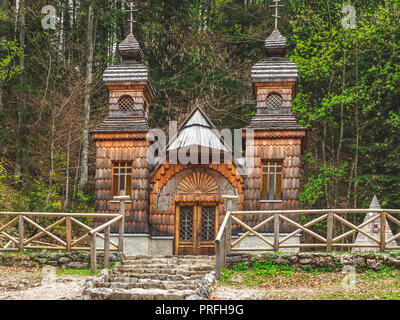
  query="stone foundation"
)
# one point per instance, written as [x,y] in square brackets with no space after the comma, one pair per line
[142,244]
[332,261]
[64,260]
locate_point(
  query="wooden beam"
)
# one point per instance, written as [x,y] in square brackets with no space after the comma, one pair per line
[383,232]
[21,232]
[87,235]
[349,224]
[307,225]
[45,231]
[4,227]
[38,235]
[93,262]
[329,232]
[58,214]
[252,231]
[315,235]
[276,233]
[344,235]
[107,247]
[255,228]
[68,230]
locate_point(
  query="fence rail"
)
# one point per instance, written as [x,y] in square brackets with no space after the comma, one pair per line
[328,241]
[59,234]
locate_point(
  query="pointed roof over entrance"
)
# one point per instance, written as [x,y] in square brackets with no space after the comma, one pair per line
[197,130]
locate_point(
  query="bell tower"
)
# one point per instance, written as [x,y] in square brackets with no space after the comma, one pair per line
[278,138]
[121,145]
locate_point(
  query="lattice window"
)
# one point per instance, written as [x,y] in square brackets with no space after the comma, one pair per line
[272,181]
[274,101]
[126,103]
[208,223]
[186,223]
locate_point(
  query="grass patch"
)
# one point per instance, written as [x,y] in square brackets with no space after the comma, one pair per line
[86,272]
[284,282]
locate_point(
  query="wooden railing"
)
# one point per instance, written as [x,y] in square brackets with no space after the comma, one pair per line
[328,241]
[60,234]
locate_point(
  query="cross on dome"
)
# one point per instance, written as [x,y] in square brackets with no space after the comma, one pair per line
[276,5]
[132,9]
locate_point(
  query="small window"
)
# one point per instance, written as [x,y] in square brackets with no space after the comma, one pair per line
[126,103]
[274,101]
[122,178]
[271,181]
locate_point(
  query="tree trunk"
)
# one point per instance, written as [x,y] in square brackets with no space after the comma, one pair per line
[1,95]
[51,173]
[66,202]
[89,77]
[22,105]
[339,149]
[357,131]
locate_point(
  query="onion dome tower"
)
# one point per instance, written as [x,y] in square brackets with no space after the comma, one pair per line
[121,145]
[278,138]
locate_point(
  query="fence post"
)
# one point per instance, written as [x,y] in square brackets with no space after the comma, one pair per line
[21,232]
[93,262]
[218,262]
[68,230]
[329,232]
[121,222]
[383,231]
[228,236]
[107,247]
[276,233]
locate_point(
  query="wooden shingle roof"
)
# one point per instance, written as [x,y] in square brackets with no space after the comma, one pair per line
[123,124]
[276,122]
[275,41]
[197,130]
[274,69]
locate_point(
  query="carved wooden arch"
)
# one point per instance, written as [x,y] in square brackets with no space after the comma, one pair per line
[166,171]
[198,182]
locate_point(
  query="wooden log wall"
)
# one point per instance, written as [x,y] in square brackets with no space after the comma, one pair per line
[123,147]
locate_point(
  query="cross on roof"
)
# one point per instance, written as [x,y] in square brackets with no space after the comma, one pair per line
[276,16]
[132,9]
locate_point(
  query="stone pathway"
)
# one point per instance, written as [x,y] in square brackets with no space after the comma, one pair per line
[154,278]
[31,284]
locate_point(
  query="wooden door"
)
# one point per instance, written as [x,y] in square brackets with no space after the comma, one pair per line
[196,228]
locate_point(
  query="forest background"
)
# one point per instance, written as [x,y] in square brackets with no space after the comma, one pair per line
[52,94]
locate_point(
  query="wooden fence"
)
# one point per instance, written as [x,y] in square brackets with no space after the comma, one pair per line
[224,243]
[59,234]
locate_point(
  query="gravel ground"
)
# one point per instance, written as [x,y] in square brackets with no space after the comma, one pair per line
[38,284]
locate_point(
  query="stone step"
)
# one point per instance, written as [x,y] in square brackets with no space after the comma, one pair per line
[191,257]
[158,276]
[169,262]
[139,294]
[162,268]
[164,285]
[153,278]
[119,279]
[183,272]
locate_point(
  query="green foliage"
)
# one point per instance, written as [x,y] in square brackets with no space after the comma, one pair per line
[11,51]
[314,189]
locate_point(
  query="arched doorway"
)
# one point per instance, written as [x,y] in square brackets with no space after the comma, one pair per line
[194,198]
